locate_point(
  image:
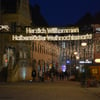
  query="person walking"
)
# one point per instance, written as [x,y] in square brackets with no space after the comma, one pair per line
[33,74]
[40,75]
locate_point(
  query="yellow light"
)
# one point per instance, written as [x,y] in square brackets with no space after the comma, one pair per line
[84,44]
[75,53]
[97,60]
[77,57]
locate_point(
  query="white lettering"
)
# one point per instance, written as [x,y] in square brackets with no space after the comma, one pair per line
[51,30]
[51,38]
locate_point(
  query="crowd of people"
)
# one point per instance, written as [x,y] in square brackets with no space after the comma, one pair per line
[50,75]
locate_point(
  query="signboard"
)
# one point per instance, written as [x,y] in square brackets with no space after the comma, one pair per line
[50,38]
[51,30]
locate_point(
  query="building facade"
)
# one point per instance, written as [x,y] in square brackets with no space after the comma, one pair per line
[97,41]
[15,14]
[21,57]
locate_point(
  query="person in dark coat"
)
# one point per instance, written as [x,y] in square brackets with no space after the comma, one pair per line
[33,74]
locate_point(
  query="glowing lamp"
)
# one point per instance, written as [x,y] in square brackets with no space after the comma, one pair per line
[63,68]
[68,61]
[75,53]
[83,44]
[97,60]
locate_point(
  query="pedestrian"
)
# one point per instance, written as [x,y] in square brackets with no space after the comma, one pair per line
[33,74]
[40,75]
[52,76]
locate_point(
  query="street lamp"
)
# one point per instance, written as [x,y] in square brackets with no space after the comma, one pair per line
[76,65]
[75,53]
[84,44]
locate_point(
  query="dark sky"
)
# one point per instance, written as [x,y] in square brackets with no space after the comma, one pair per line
[63,12]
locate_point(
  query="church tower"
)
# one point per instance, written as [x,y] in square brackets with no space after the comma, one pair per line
[15,11]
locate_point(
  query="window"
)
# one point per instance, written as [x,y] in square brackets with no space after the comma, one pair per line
[95,71]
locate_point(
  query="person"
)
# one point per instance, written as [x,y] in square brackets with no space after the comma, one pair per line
[83,80]
[51,76]
[33,74]
[40,75]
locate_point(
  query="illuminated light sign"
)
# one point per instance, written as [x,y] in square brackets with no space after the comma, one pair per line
[97,60]
[50,38]
[87,62]
[27,38]
[4,27]
[51,30]
[98,30]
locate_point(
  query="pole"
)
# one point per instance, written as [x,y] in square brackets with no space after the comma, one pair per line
[70,53]
[84,65]
[52,58]
[32,54]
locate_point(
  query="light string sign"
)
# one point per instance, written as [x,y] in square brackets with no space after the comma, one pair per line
[51,30]
[51,34]
[50,38]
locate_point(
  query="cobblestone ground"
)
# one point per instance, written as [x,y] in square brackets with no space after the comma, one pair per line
[60,90]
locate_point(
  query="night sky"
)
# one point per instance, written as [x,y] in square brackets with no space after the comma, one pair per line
[63,12]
